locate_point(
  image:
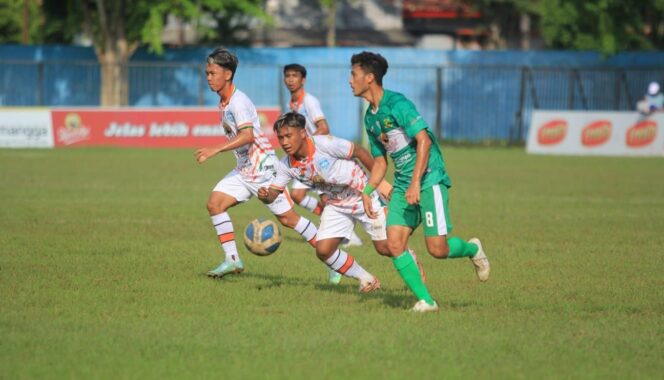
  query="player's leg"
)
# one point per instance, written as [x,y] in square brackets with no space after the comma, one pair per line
[334,225]
[376,228]
[218,203]
[435,213]
[282,208]
[402,219]
[300,196]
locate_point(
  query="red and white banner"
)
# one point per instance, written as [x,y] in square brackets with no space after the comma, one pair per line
[596,133]
[127,127]
[149,127]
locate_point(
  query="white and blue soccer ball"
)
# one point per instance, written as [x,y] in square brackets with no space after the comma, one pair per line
[262,237]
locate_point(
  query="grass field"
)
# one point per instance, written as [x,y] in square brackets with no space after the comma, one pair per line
[102,255]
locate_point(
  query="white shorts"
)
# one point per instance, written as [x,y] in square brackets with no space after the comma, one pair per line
[339,223]
[236,186]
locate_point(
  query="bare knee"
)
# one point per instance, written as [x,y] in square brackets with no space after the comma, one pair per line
[441,251]
[298,195]
[323,254]
[214,208]
[325,248]
[382,248]
[289,219]
[395,248]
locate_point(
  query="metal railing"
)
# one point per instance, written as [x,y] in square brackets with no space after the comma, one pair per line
[462,103]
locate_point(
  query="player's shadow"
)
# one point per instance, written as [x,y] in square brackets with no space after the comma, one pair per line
[391,297]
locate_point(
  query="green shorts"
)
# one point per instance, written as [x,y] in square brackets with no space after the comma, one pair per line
[432,209]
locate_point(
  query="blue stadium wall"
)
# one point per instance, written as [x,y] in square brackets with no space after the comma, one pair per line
[464,95]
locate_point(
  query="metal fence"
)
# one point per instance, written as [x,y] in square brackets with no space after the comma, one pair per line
[462,103]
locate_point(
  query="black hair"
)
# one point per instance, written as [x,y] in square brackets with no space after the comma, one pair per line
[296,67]
[290,119]
[223,58]
[371,63]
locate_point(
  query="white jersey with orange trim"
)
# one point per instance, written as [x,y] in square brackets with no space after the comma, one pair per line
[329,169]
[256,161]
[309,107]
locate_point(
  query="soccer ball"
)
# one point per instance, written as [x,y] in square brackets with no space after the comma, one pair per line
[262,237]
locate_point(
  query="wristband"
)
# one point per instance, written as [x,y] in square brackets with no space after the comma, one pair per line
[368,189]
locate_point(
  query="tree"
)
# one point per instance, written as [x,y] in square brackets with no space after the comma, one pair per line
[607,26]
[118,27]
[20,21]
[508,18]
[330,10]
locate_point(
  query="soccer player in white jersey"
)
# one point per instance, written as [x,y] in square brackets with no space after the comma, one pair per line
[255,168]
[302,102]
[328,164]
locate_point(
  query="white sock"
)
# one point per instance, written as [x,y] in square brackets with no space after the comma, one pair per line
[224,227]
[345,264]
[309,202]
[307,229]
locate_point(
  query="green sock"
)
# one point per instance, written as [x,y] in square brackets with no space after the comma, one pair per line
[461,248]
[408,270]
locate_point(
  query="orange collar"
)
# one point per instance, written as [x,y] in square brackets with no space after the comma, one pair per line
[295,105]
[295,163]
[223,105]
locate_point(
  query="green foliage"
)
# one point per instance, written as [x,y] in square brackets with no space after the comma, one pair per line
[234,22]
[603,25]
[12,17]
[102,255]
[136,21]
[607,26]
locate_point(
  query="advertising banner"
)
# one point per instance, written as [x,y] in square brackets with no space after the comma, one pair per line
[25,128]
[148,127]
[596,133]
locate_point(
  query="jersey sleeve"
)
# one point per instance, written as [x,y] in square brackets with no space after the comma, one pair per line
[283,176]
[334,146]
[243,115]
[408,118]
[314,109]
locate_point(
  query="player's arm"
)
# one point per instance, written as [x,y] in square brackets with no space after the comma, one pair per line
[322,128]
[378,171]
[244,136]
[363,155]
[375,179]
[315,111]
[267,195]
[422,150]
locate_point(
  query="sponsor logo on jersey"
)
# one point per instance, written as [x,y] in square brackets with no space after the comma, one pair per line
[384,138]
[641,134]
[596,133]
[552,132]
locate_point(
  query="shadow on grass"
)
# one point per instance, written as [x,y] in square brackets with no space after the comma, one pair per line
[392,298]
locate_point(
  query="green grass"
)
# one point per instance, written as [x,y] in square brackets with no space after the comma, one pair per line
[102,255]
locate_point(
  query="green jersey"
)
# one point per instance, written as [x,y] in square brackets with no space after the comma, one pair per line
[392,129]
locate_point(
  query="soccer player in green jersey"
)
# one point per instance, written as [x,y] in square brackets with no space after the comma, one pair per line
[421,182]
